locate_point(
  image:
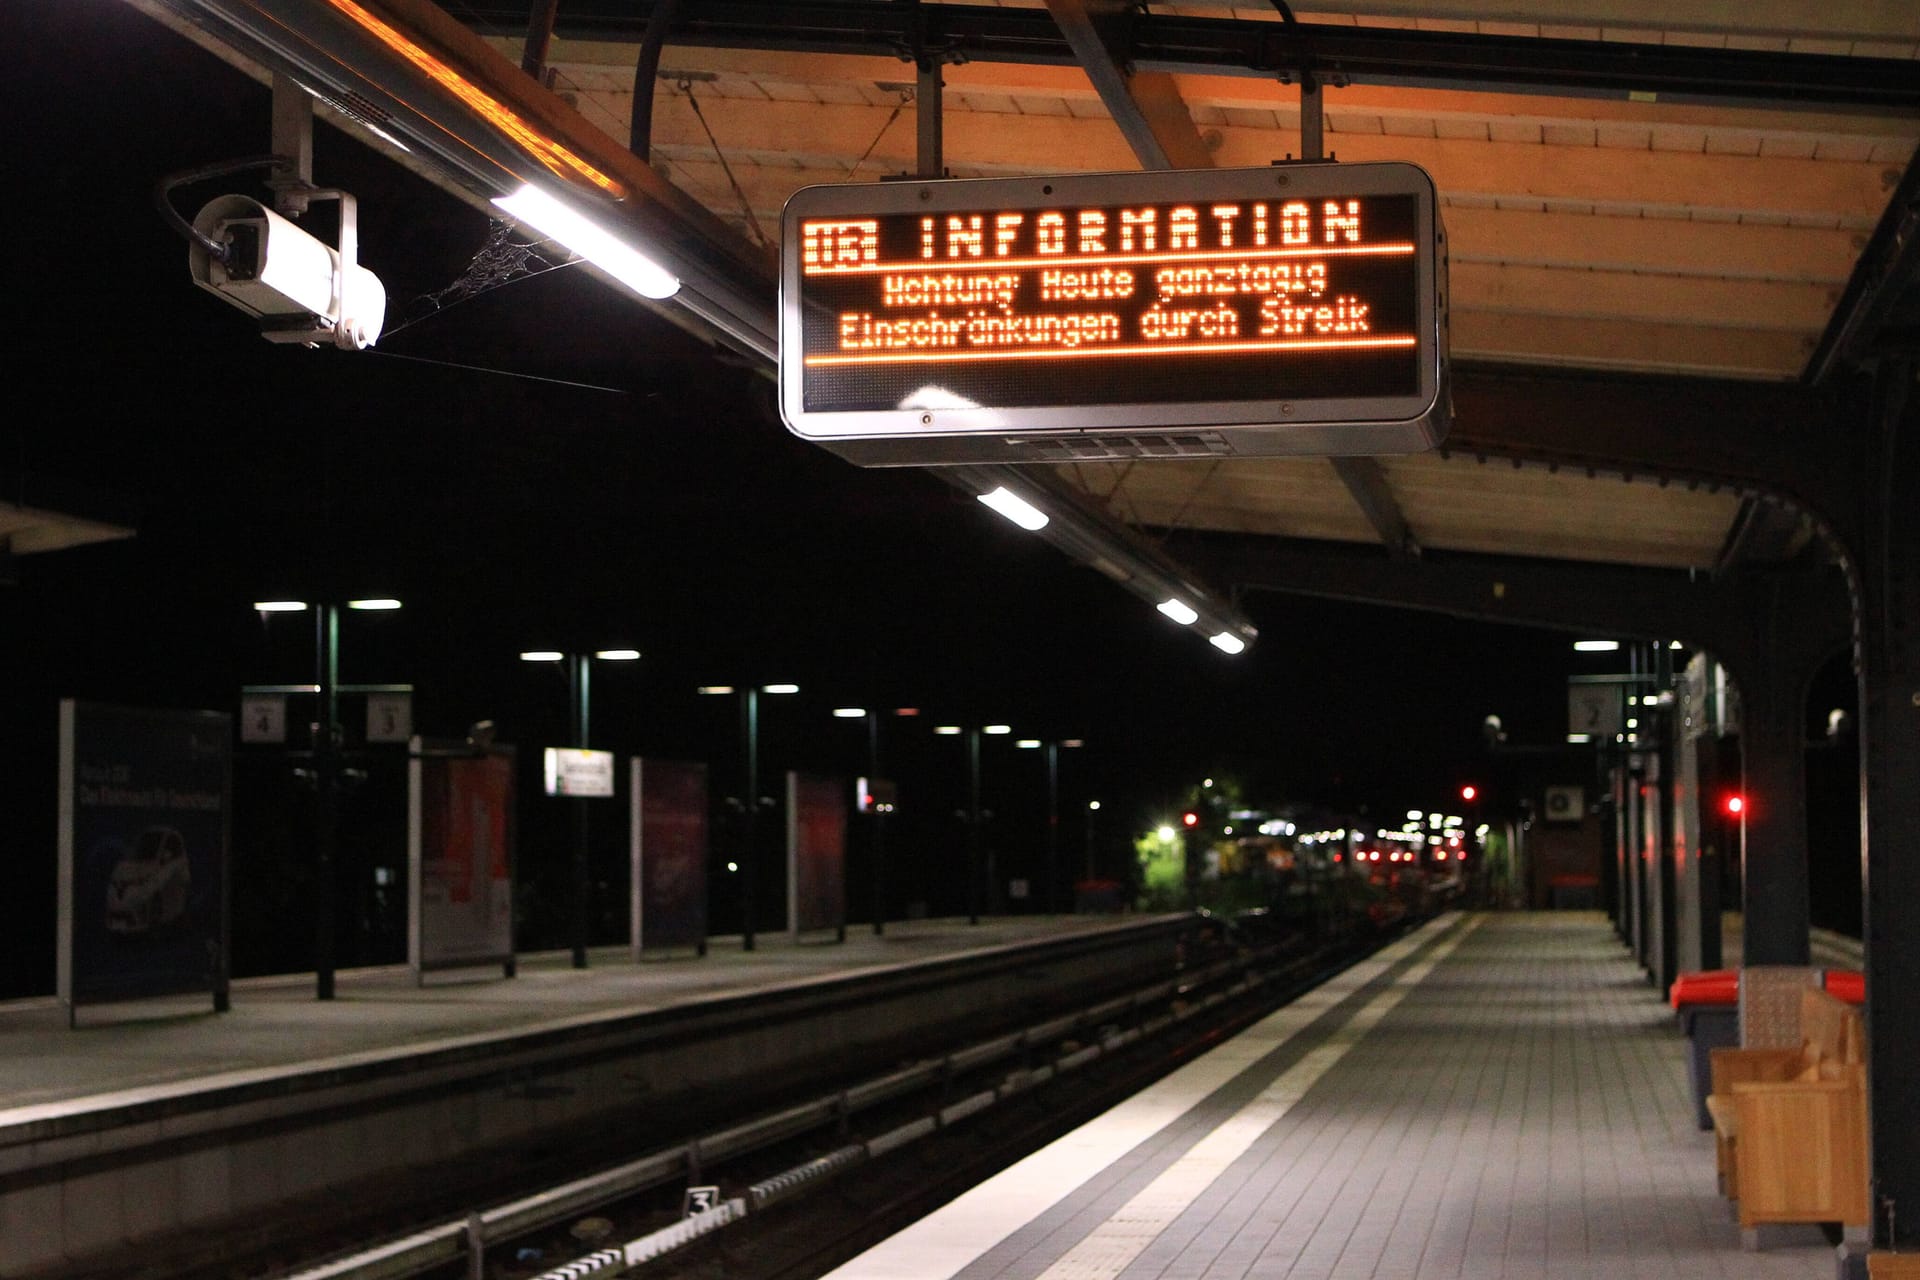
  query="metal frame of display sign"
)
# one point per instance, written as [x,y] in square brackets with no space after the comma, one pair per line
[145,854]
[1284,310]
[473,874]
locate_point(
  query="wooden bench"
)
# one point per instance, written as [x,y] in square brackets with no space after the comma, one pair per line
[1790,1125]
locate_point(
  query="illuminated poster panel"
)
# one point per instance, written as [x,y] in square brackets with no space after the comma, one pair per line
[460,829]
[1294,309]
[816,854]
[668,838]
[143,848]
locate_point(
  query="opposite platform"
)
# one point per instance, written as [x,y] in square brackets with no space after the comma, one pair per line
[147,1129]
[154,1047]
[1494,1096]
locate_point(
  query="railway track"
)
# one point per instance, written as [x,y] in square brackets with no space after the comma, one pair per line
[795,1190]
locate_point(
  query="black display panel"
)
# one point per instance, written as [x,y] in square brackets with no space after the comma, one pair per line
[1241,300]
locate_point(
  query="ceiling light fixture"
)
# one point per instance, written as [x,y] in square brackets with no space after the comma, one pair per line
[590,241]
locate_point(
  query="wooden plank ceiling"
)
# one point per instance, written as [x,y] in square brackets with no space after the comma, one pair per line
[1585,232]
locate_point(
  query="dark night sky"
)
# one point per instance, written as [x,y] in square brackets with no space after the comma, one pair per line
[660,506]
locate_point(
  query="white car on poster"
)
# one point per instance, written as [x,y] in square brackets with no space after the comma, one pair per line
[148,888]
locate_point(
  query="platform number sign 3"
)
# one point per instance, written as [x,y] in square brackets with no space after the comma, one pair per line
[389,717]
[699,1200]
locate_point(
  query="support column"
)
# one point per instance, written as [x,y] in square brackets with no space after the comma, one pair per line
[1889,651]
[326,781]
[577,700]
[750,814]
[1774,893]
[973,825]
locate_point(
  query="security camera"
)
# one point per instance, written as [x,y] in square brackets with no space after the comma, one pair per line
[298,288]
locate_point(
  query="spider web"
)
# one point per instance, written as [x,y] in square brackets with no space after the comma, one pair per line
[500,260]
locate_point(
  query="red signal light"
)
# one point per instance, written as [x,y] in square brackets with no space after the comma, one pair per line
[1469,793]
[1734,805]
[1191,819]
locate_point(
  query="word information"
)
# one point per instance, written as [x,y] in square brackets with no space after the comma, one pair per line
[1154,302]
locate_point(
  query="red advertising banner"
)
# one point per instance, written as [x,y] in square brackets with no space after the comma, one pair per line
[669,855]
[461,847]
[816,853]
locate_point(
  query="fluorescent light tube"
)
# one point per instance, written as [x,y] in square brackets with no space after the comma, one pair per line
[590,240]
[1015,508]
[1179,610]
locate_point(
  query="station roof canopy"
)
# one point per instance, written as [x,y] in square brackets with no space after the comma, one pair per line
[1685,188]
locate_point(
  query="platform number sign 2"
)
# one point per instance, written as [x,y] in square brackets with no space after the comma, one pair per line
[699,1200]
[1594,710]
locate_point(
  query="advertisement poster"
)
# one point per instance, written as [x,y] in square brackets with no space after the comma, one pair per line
[461,829]
[669,852]
[816,853]
[144,805]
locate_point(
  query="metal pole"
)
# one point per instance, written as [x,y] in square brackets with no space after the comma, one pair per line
[927,106]
[1312,118]
[750,730]
[973,826]
[879,827]
[578,694]
[533,59]
[326,779]
[1090,821]
[1053,822]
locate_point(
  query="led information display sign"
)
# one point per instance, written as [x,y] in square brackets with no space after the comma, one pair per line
[1295,309]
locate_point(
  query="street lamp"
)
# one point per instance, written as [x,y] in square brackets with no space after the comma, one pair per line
[973,805]
[1053,748]
[578,707]
[327,765]
[750,734]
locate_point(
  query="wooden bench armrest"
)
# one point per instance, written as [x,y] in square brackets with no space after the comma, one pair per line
[1731,1066]
[1788,1089]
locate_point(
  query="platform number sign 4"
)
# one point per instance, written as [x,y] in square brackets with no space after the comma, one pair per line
[263,718]
[699,1200]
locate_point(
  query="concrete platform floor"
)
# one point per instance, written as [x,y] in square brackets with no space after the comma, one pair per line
[1496,1097]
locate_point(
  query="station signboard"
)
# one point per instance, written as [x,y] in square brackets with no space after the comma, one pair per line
[1288,310]
[576,771]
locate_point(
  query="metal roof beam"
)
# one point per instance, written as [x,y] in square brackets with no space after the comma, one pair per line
[1146,105]
[1886,277]
[1718,615]
[1179,44]
[1797,444]
[1373,494]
